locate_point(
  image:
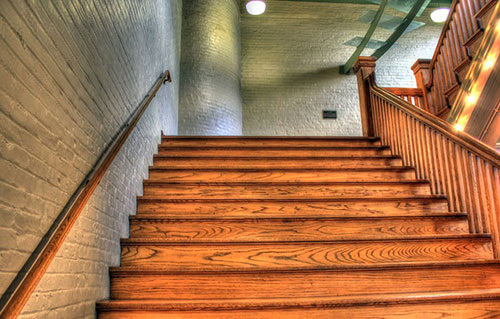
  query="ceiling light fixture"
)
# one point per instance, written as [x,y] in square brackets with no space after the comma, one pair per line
[440,15]
[256,7]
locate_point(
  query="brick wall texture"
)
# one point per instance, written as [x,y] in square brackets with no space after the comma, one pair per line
[71,74]
[290,61]
[210,91]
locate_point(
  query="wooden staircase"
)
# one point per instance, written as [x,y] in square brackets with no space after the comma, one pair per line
[295,228]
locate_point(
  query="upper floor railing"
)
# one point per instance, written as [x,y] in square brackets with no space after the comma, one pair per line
[441,77]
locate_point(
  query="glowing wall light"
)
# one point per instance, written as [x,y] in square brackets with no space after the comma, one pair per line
[256,7]
[440,15]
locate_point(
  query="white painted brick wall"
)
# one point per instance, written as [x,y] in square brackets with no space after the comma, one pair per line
[71,73]
[210,90]
[290,60]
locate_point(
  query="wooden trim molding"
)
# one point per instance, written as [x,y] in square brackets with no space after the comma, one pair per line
[20,290]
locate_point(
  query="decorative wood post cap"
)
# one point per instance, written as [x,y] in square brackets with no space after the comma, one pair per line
[421,64]
[364,62]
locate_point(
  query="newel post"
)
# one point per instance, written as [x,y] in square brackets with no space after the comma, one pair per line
[421,70]
[364,67]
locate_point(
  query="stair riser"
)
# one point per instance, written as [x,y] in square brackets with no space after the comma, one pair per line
[265,191]
[286,256]
[268,142]
[294,230]
[279,176]
[303,284]
[280,209]
[221,152]
[270,163]
[458,310]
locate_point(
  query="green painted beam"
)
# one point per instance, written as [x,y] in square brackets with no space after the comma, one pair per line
[419,6]
[346,68]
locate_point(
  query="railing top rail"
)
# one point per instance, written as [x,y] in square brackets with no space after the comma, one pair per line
[442,126]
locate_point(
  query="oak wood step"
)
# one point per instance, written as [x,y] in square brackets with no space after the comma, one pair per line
[257,141]
[345,280]
[281,175]
[463,305]
[274,151]
[293,228]
[286,190]
[148,252]
[297,207]
[275,162]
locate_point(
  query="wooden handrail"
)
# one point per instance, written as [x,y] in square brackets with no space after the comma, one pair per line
[20,290]
[457,165]
[413,96]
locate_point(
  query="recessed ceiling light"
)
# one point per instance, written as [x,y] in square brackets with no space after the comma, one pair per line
[256,7]
[440,15]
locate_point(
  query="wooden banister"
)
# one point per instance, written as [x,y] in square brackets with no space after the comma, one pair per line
[453,55]
[457,165]
[20,290]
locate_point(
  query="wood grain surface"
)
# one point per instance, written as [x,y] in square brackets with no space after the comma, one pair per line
[293,229]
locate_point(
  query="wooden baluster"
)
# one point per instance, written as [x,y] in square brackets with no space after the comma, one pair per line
[420,151]
[387,127]
[407,129]
[475,197]
[418,154]
[449,65]
[468,18]
[432,159]
[493,182]
[469,190]
[458,41]
[402,136]
[471,12]
[476,5]
[383,128]
[450,174]
[394,143]
[457,154]
[373,103]
[427,159]
[460,20]
[453,59]
[441,158]
[481,193]
[440,85]
[397,130]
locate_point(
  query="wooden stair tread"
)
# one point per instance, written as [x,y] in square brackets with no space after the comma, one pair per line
[291,189]
[137,271]
[163,242]
[266,137]
[267,141]
[167,218]
[252,175]
[291,200]
[332,206]
[337,280]
[253,152]
[377,299]
[286,169]
[293,228]
[263,255]
[259,183]
[296,227]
